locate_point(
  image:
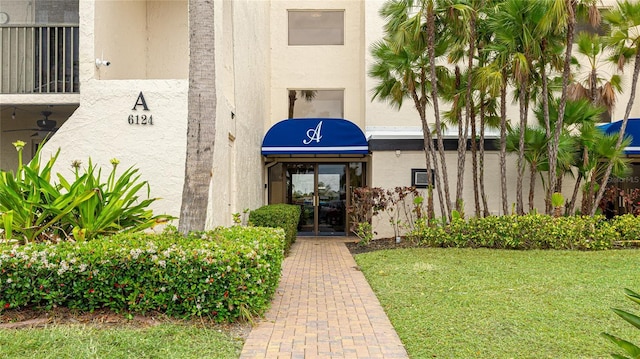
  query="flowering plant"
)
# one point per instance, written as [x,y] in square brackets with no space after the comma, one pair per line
[32,207]
[226,273]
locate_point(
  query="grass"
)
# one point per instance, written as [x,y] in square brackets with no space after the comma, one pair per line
[79,341]
[478,303]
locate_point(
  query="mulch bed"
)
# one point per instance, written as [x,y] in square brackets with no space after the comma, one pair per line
[39,318]
[379,244]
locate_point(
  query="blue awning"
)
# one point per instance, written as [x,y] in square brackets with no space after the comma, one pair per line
[632,130]
[314,136]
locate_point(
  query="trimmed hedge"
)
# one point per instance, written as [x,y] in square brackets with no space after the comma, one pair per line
[226,273]
[285,216]
[533,231]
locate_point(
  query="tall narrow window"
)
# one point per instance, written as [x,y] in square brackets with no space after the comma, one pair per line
[316,27]
[316,103]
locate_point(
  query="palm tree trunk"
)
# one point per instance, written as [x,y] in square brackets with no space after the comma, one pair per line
[292,102]
[474,163]
[201,120]
[555,143]
[532,185]
[462,145]
[623,127]
[420,103]
[483,194]
[574,196]
[576,187]
[521,159]
[469,112]
[503,143]
[546,116]
[436,110]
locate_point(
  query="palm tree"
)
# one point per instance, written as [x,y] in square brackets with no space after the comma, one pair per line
[561,19]
[595,88]
[403,66]
[515,25]
[493,81]
[308,95]
[201,117]
[535,154]
[417,25]
[603,153]
[625,41]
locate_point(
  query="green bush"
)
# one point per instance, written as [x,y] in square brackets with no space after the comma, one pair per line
[226,273]
[628,226]
[533,231]
[285,216]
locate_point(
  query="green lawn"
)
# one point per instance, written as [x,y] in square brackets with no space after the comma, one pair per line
[161,341]
[479,303]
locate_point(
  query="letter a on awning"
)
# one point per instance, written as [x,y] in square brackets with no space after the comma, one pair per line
[314,136]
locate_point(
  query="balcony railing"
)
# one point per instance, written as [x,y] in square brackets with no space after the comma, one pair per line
[39,59]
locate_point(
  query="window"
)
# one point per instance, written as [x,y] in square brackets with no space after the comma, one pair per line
[421,178]
[316,103]
[316,27]
[583,25]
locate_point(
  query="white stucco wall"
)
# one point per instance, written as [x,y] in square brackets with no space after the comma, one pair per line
[99,130]
[143,39]
[242,83]
[333,67]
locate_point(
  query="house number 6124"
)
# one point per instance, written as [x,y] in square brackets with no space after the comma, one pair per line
[140,120]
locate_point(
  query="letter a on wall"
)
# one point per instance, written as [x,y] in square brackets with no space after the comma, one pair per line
[140,102]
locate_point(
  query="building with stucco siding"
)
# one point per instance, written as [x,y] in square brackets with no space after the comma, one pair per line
[114,77]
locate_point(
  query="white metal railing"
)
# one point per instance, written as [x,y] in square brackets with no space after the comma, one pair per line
[39,59]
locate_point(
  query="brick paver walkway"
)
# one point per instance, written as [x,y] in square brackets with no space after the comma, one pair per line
[323,308]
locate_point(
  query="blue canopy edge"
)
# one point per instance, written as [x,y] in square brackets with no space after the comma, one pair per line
[314,136]
[632,130]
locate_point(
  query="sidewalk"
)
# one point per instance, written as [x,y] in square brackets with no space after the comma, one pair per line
[323,308]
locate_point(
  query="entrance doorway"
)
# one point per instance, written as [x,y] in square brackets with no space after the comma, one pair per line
[322,190]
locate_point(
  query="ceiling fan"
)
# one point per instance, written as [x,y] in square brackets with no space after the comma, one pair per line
[44,125]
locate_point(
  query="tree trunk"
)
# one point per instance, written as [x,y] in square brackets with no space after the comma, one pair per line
[470,113]
[201,117]
[434,98]
[546,116]
[292,102]
[521,159]
[555,142]
[483,194]
[503,143]
[532,186]
[474,163]
[574,197]
[462,145]
[420,102]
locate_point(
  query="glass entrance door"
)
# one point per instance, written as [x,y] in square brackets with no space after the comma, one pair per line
[321,192]
[331,185]
[301,191]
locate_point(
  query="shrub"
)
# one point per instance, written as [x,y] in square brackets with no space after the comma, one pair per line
[631,349]
[285,216]
[116,206]
[226,273]
[628,226]
[33,208]
[533,231]
[402,205]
